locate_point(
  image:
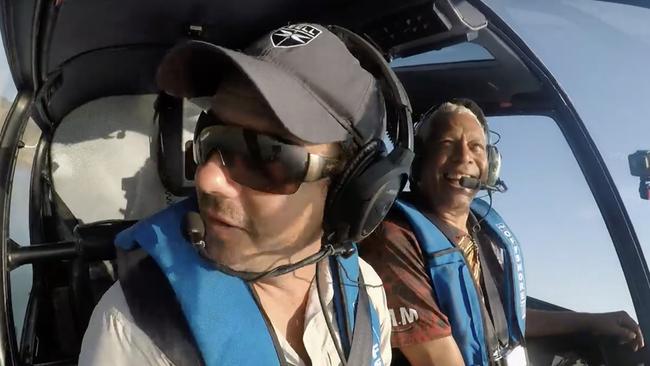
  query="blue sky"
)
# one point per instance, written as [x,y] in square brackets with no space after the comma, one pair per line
[599,53]
[7,87]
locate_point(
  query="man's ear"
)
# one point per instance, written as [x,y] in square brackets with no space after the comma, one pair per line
[485,172]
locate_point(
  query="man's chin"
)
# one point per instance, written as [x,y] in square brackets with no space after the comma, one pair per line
[454,196]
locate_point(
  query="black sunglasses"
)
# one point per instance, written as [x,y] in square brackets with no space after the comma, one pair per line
[260,161]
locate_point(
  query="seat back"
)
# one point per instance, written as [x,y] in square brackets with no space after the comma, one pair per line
[104,174]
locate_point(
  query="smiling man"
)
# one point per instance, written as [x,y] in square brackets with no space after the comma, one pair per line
[453,270]
[244,273]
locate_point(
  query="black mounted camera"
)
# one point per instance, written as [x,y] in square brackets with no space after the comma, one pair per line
[640,167]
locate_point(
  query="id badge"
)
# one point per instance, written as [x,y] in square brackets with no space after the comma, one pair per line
[517,357]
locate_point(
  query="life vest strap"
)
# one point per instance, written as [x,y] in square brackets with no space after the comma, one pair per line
[143,284]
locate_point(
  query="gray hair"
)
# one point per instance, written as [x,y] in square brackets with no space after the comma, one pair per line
[423,129]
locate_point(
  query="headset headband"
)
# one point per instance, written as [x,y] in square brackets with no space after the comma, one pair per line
[398,108]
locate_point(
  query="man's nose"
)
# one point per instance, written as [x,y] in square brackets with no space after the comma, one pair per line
[462,152]
[213,177]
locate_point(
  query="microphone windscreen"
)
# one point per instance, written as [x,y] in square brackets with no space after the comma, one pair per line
[193,227]
[469,182]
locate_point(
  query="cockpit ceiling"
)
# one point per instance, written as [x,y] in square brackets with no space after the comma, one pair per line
[94,48]
[86,26]
[501,85]
[99,48]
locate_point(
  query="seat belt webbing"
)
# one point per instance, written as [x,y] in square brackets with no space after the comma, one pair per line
[493,297]
[362,341]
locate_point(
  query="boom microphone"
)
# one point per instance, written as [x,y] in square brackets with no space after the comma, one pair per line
[474,183]
[194,229]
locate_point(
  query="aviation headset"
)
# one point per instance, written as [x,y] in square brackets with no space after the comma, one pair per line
[359,197]
[492,152]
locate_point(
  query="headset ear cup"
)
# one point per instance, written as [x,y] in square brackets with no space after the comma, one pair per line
[494,165]
[190,163]
[335,207]
[365,198]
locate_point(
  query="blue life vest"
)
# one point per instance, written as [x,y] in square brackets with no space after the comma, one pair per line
[222,313]
[455,290]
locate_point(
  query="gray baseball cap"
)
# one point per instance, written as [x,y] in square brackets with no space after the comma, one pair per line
[305,73]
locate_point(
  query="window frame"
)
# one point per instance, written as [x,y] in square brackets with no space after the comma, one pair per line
[10,141]
[594,169]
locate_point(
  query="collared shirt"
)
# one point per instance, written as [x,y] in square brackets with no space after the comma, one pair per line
[113,338]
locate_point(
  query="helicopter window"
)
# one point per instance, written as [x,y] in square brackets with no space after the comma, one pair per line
[570,259]
[7,87]
[125,140]
[122,140]
[461,52]
[21,278]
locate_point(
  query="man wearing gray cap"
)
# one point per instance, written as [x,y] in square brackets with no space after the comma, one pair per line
[267,275]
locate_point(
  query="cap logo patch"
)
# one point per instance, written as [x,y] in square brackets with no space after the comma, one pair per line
[294,35]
